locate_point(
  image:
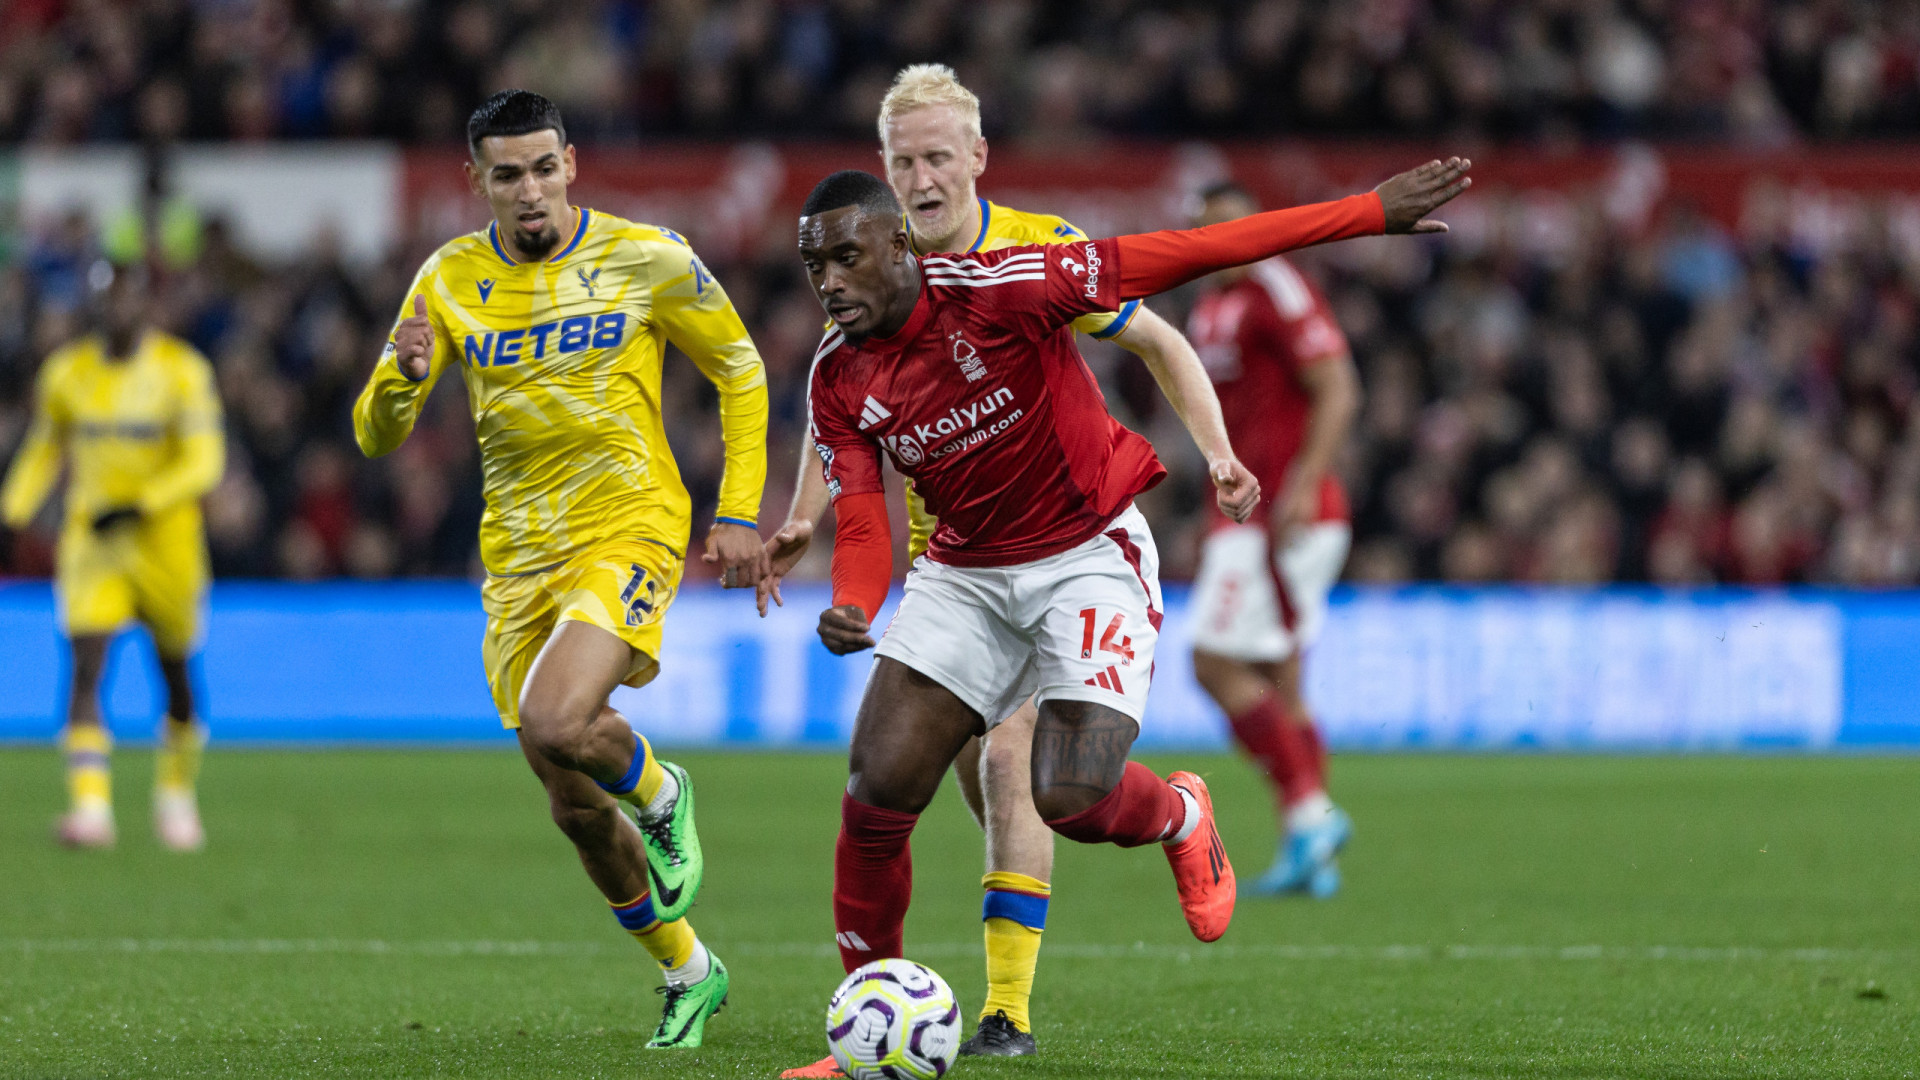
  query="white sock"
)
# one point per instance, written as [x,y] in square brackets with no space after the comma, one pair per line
[660,807]
[697,967]
[1192,820]
[1309,813]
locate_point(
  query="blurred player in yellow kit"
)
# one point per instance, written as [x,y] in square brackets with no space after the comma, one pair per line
[557,317]
[934,153]
[131,413]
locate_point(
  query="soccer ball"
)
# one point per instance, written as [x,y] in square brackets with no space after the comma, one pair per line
[893,1020]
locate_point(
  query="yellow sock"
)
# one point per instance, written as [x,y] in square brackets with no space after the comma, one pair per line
[669,943]
[177,766]
[672,944]
[643,778]
[89,776]
[1015,913]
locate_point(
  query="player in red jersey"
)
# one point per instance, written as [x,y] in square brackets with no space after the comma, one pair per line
[1289,394]
[1041,578]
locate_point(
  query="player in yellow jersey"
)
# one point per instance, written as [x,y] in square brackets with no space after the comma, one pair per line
[557,317]
[934,153]
[131,414]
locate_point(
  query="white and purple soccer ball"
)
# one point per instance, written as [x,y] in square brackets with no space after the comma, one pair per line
[894,1020]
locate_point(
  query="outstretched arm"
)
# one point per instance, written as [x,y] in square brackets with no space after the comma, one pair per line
[1176,367]
[1156,262]
[789,542]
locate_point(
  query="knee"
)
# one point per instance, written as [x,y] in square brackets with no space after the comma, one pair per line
[1212,672]
[557,729]
[1054,801]
[891,789]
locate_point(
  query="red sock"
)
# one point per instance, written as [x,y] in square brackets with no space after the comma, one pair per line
[1141,809]
[1317,747]
[1290,751]
[872,881]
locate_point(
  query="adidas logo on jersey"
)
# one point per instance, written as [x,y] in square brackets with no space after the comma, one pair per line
[872,413]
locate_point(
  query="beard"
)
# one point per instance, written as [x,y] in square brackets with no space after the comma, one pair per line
[537,245]
[942,230]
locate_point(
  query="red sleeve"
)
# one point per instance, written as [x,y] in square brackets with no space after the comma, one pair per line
[1155,262]
[862,552]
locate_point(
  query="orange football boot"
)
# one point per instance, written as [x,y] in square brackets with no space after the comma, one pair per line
[824,1069]
[1200,867]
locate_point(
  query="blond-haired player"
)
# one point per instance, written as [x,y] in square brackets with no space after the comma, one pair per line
[934,152]
[131,413]
[557,318]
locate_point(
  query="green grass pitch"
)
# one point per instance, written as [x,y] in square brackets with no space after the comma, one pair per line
[413,913]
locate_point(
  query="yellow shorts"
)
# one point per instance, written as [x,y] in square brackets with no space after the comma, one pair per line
[154,572]
[623,587]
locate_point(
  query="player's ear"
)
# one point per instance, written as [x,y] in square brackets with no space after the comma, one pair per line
[979,156]
[475,182]
[572,168]
[902,245]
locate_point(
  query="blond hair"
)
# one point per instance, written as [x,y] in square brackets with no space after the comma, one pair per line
[920,85]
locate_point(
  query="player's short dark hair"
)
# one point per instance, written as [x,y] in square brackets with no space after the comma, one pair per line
[1225,189]
[513,112]
[852,187]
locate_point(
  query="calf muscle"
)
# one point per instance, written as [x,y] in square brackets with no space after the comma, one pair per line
[1079,751]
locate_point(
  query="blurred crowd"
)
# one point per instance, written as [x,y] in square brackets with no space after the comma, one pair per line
[1678,404]
[1749,71]
[1682,405]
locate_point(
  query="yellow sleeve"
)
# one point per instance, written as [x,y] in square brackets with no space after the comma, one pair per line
[1100,325]
[36,467]
[691,308]
[384,414]
[920,524]
[1105,325]
[202,444]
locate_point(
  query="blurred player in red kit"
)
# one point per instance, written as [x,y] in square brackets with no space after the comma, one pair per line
[1289,393]
[1042,577]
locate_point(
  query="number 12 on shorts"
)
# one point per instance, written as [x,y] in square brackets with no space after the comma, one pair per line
[1089,619]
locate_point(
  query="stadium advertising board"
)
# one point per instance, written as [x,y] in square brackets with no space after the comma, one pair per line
[1419,667]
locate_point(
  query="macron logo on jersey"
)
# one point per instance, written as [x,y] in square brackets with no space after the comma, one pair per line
[872,413]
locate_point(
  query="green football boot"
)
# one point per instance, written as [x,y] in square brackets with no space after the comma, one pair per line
[674,863]
[684,1022]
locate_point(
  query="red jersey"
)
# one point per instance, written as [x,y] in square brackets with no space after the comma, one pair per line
[984,400]
[1254,337]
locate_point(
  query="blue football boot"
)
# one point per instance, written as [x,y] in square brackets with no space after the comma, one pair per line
[1305,860]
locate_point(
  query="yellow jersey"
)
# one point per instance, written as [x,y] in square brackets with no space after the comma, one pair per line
[142,433]
[562,364]
[1004,227]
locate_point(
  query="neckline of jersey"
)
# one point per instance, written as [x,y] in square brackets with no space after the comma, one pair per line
[582,214]
[986,220]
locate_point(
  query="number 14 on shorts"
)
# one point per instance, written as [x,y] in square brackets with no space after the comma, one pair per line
[1111,640]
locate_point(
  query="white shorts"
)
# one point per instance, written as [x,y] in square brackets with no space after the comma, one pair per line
[1247,607]
[1080,625]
